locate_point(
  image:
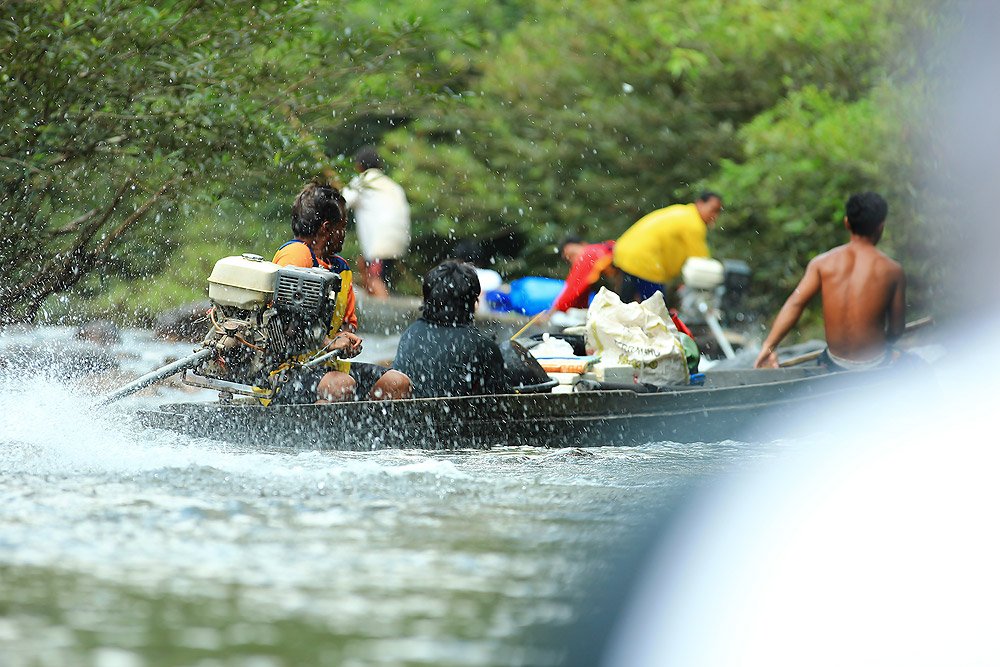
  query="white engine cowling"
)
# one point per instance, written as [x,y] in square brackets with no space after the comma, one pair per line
[703,273]
[245,282]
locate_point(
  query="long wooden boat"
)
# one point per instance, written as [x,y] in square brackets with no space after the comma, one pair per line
[737,405]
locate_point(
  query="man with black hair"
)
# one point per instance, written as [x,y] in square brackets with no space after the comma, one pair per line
[382,215]
[651,252]
[863,292]
[442,352]
[319,226]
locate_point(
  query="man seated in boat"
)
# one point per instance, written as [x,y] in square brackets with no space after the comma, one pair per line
[319,226]
[863,292]
[443,352]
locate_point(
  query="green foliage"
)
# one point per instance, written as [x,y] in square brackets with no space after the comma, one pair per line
[785,196]
[591,118]
[126,122]
[800,162]
[542,117]
[584,120]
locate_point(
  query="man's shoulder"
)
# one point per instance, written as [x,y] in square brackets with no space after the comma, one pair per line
[681,215]
[852,254]
[890,265]
[293,253]
[602,248]
[339,264]
[661,218]
[436,340]
[830,255]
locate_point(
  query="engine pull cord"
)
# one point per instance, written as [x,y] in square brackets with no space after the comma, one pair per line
[249,344]
[215,323]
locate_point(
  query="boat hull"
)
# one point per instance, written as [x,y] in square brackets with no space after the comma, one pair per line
[739,405]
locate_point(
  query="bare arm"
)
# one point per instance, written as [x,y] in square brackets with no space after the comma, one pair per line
[897,309]
[788,316]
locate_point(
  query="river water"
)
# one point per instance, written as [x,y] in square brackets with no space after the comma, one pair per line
[122,546]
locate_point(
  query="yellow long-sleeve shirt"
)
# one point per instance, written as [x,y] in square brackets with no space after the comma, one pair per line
[656,247]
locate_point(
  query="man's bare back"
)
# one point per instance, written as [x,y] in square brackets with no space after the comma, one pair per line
[863,292]
[863,300]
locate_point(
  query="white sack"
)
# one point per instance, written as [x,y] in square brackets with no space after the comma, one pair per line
[641,335]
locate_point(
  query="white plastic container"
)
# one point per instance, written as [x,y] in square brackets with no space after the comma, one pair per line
[245,282]
[702,273]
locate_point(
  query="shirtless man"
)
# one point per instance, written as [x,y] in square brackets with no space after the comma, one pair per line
[863,294]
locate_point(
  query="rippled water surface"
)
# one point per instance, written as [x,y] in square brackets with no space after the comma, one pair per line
[122,546]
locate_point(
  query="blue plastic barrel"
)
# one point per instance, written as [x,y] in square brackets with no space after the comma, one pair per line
[533,294]
[498,301]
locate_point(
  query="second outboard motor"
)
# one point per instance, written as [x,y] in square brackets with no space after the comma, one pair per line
[735,289]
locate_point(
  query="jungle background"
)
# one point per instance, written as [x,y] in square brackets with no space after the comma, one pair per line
[140,143]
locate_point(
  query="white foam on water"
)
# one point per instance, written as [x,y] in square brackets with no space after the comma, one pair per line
[49,428]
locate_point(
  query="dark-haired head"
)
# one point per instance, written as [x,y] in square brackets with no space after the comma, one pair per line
[865,213]
[708,195]
[468,251]
[709,205]
[367,157]
[571,247]
[313,206]
[450,292]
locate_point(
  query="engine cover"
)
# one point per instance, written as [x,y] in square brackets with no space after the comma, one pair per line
[245,282]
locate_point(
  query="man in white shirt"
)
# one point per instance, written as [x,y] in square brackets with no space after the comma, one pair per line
[382,215]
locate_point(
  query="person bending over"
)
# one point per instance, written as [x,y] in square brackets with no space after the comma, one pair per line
[319,226]
[652,251]
[863,292]
[443,352]
[590,265]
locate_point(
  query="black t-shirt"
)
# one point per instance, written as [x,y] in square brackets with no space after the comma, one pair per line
[450,361]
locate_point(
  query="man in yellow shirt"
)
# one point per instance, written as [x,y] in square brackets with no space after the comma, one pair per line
[652,251]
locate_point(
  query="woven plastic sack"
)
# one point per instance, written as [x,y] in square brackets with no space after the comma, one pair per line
[639,335]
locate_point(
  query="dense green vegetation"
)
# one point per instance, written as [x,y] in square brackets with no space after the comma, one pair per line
[545,118]
[131,131]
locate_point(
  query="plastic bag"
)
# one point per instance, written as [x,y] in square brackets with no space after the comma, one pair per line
[641,335]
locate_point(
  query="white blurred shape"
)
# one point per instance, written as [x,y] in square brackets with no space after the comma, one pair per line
[875,544]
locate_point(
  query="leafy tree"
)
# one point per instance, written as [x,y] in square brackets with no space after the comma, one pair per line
[600,113]
[584,120]
[799,161]
[119,114]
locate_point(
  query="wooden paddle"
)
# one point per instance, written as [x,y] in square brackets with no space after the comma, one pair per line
[809,356]
[530,322]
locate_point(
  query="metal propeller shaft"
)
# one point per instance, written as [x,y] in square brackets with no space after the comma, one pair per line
[157,375]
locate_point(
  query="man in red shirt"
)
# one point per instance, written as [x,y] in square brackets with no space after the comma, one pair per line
[589,264]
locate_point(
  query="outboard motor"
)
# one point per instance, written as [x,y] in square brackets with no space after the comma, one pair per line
[265,319]
[264,316]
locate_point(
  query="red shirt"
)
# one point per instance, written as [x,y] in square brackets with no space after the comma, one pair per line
[584,272]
